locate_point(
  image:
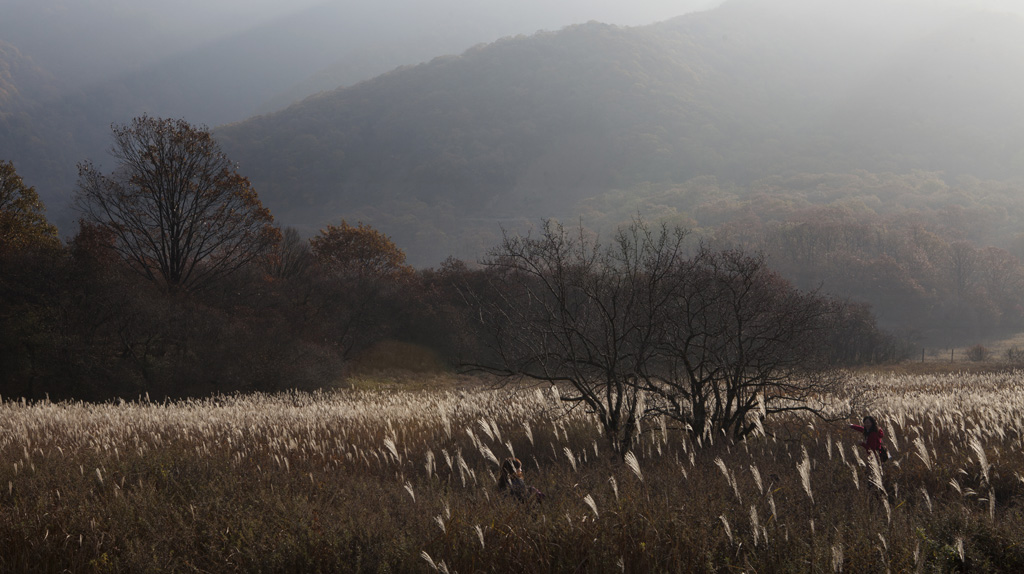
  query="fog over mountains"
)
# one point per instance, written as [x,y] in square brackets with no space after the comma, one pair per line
[68,69]
[527,127]
[441,154]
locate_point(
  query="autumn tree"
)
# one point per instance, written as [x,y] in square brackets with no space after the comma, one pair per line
[360,250]
[362,274]
[180,212]
[30,259]
[22,220]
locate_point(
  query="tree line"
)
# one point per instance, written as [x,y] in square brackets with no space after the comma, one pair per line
[178,283]
[650,324]
[938,262]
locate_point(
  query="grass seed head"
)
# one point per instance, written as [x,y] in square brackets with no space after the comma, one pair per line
[728,531]
[804,467]
[634,465]
[589,501]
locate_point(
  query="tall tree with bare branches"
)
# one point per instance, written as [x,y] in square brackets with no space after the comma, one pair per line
[563,307]
[740,343]
[636,328]
[181,213]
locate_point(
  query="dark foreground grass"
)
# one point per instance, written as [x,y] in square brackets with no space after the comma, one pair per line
[361,482]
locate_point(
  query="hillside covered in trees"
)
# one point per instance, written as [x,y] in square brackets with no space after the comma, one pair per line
[530,126]
[749,123]
[102,62]
[871,152]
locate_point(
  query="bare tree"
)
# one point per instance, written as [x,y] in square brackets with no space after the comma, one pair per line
[182,215]
[636,328]
[564,308]
[963,260]
[292,256]
[740,343]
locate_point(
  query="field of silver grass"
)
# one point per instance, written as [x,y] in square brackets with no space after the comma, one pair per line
[405,481]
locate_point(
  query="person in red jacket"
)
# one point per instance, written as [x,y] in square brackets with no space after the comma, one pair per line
[511,482]
[872,438]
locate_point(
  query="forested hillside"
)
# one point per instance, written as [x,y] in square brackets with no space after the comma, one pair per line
[91,82]
[440,153]
[108,61]
[23,137]
[748,122]
[871,150]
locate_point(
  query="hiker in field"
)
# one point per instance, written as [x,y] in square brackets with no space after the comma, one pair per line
[511,482]
[872,438]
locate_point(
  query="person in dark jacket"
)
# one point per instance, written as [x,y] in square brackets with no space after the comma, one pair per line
[511,482]
[872,438]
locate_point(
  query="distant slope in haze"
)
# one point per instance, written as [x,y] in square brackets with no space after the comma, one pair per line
[463,128]
[439,154]
[222,61]
[945,103]
[23,85]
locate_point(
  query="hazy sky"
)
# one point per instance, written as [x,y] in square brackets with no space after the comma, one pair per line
[110,36]
[90,39]
[204,20]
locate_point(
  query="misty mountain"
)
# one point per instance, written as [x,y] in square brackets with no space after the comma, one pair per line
[23,85]
[219,61]
[946,102]
[21,81]
[83,42]
[529,126]
[211,81]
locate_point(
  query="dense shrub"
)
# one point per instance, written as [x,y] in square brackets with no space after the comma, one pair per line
[978,353]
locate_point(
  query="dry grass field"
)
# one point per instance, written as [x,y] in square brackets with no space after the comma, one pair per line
[392,480]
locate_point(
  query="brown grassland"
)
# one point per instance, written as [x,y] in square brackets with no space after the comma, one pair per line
[397,480]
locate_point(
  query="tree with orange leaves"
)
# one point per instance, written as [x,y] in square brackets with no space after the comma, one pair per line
[359,250]
[22,223]
[364,282]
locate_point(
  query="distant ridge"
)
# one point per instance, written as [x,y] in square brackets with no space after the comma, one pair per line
[218,62]
[439,154]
